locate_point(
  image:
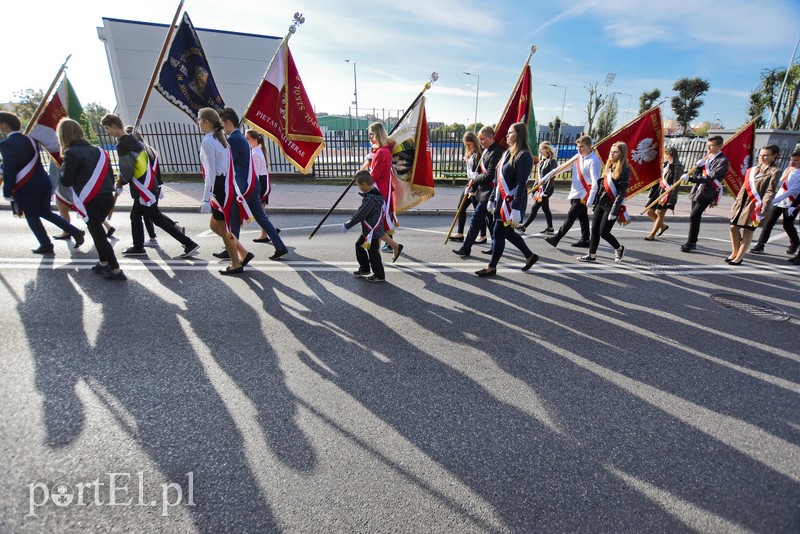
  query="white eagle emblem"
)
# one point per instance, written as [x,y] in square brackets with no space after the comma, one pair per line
[646,151]
[745,165]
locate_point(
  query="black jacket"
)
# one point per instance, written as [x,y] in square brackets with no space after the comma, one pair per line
[621,183]
[79,164]
[516,176]
[483,183]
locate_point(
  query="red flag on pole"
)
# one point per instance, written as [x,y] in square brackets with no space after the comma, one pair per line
[644,136]
[281,110]
[739,151]
[519,108]
[412,164]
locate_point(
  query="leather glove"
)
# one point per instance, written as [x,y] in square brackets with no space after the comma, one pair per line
[205,207]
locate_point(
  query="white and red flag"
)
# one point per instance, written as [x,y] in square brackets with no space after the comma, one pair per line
[412,164]
[739,151]
[281,110]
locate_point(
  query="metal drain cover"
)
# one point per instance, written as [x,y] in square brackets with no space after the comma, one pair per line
[749,306]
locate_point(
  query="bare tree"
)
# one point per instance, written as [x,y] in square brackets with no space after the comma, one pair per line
[593,106]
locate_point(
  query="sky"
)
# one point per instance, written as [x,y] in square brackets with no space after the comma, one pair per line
[397,45]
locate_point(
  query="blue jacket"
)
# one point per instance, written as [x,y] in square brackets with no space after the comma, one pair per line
[240,149]
[17,151]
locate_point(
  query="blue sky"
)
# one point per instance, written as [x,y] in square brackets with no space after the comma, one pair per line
[396,45]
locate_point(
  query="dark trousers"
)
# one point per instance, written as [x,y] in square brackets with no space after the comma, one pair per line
[159,219]
[148,224]
[36,206]
[370,258]
[462,215]
[577,210]
[254,201]
[501,233]
[97,210]
[698,207]
[601,227]
[788,225]
[481,219]
[544,205]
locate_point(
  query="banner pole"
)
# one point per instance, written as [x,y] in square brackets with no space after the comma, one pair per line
[45,99]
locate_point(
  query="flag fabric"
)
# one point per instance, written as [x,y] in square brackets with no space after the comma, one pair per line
[644,136]
[185,78]
[412,164]
[281,110]
[63,104]
[739,151]
[519,108]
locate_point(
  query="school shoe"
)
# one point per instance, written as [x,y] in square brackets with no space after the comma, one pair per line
[227,271]
[110,231]
[553,240]
[62,237]
[397,253]
[374,279]
[792,250]
[151,243]
[530,261]
[582,244]
[548,231]
[279,254]
[248,258]
[758,249]
[587,258]
[386,248]
[619,253]
[44,251]
[457,238]
[486,271]
[688,247]
[361,274]
[80,238]
[222,255]
[190,249]
[133,251]
[521,228]
[261,240]
[460,252]
[97,268]
[115,277]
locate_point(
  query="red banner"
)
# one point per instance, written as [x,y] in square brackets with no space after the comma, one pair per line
[281,110]
[412,164]
[519,108]
[644,136]
[739,151]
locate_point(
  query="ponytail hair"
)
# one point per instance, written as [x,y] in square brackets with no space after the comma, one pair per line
[253,134]
[212,117]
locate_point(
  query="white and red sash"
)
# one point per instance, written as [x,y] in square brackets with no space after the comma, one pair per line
[583,181]
[506,195]
[611,192]
[664,184]
[716,185]
[230,193]
[784,185]
[26,172]
[752,192]
[245,213]
[268,189]
[91,188]
[147,187]
[63,200]
[368,240]
[538,194]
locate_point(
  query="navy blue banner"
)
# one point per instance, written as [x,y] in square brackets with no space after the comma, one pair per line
[185,78]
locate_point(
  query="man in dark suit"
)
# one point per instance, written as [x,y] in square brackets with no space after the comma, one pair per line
[482,186]
[707,177]
[27,184]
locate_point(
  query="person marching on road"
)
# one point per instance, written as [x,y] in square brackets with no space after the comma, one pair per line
[707,176]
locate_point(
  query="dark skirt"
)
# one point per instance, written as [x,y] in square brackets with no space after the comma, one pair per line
[219,195]
[655,193]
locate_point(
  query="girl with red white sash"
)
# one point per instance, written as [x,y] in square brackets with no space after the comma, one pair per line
[87,170]
[752,202]
[379,162]
[219,192]
[671,171]
[260,163]
[609,204]
[509,198]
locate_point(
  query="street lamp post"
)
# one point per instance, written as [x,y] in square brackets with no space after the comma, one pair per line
[714,120]
[563,105]
[355,88]
[477,91]
[628,110]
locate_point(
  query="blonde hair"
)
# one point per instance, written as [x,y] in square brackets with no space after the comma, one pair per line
[545,145]
[68,132]
[622,162]
[211,115]
[381,137]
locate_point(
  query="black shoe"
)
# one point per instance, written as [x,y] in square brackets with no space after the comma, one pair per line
[227,271]
[361,274]
[486,271]
[792,250]
[397,253]
[115,277]
[279,254]
[587,259]
[530,261]
[547,231]
[247,258]
[80,238]
[110,231]
[374,279]
[457,238]
[795,260]
[582,244]
[758,249]
[487,251]
[619,253]
[62,237]
[43,250]
[100,269]
[552,241]
[735,262]
[261,240]
[460,252]
[688,247]
[521,228]
[222,255]
[133,251]
[189,250]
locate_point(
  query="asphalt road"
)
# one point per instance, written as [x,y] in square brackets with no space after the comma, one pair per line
[605,397]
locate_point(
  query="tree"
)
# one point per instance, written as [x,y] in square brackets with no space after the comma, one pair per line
[555,128]
[687,103]
[29,100]
[94,112]
[756,105]
[766,98]
[647,100]
[608,117]
[593,106]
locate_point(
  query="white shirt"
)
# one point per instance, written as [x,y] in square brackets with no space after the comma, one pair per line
[781,199]
[259,161]
[215,159]
[590,167]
